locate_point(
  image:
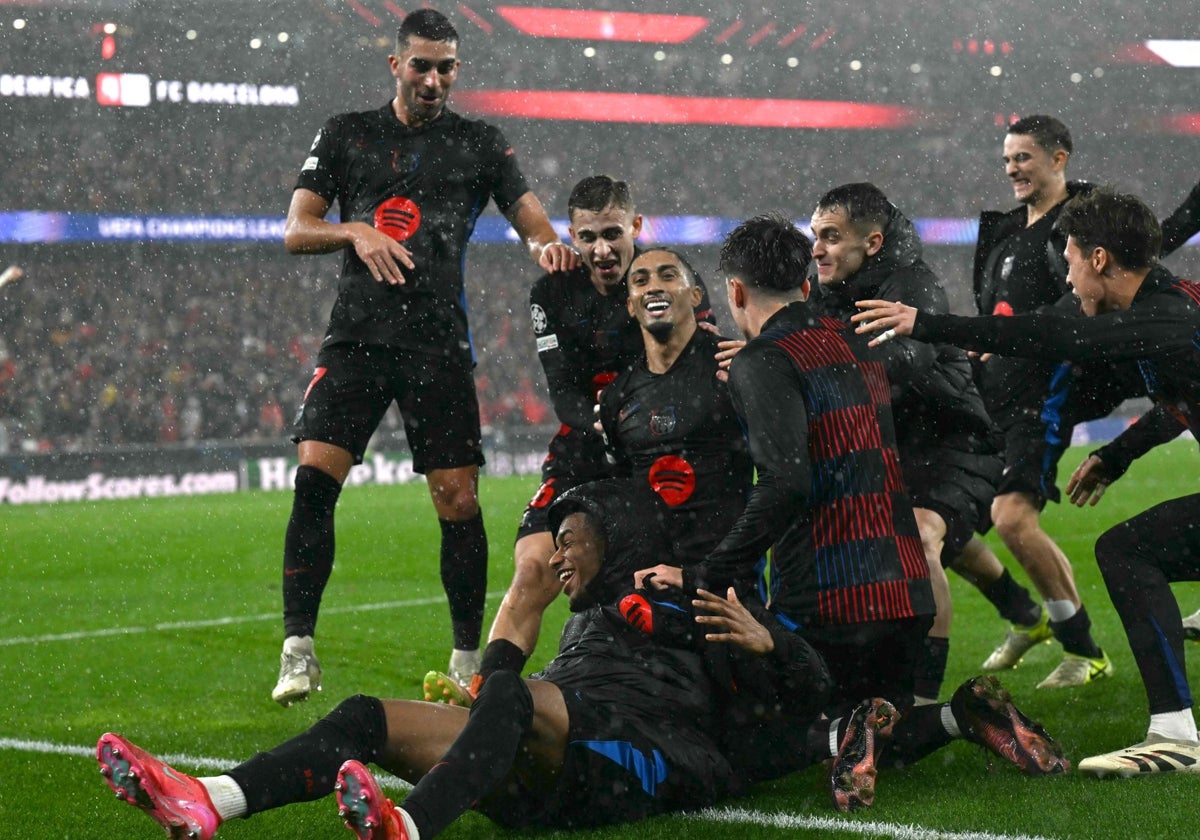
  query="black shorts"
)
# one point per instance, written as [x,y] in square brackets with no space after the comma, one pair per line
[873,659]
[956,483]
[355,384]
[1031,461]
[618,768]
[572,459]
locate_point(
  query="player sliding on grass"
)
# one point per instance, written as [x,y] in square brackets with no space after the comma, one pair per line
[1135,311]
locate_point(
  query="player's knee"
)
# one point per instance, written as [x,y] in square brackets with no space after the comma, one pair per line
[1114,548]
[506,691]
[363,721]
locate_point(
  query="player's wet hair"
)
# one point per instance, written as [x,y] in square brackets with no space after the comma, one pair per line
[865,205]
[1119,223]
[767,252]
[1048,132]
[596,192]
[429,24]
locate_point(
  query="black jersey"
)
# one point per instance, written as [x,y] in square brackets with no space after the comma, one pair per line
[679,432]
[425,187]
[1160,332]
[584,339]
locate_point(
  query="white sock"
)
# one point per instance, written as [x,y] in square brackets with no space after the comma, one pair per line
[1179,726]
[226,796]
[1060,611]
[833,737]
[949,723]
[298,645]
[409,825]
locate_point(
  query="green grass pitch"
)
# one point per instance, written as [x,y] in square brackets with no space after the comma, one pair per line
[159,619]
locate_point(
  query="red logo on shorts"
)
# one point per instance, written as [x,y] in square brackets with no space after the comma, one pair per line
[673,479]
[398,217]
[1003,308]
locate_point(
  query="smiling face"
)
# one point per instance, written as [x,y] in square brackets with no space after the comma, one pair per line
[662,294]
[425,71]
[604,240]
[1037,175]
[839,249]
[578,557]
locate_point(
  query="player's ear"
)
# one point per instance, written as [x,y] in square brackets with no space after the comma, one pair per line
[874,242]
[637,225]
[805,288]
[629,307]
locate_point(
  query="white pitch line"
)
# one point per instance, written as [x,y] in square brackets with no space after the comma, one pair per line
[215,622]
[739,816]
[742,816]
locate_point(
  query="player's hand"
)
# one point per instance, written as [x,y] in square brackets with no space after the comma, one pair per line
[382,255]
[1088,483]
[892,317]
[727,348]
[982,357]
[730,622]
[558,256]
[659,577]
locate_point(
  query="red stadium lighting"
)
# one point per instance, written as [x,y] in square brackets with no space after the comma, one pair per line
[108,47]
[684,110]
[602,26]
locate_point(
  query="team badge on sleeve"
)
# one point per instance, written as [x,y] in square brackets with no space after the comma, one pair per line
[538,315]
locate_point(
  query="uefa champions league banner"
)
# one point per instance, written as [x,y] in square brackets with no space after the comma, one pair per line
[32,226]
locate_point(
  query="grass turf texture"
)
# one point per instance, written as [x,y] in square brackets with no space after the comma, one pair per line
[159,619]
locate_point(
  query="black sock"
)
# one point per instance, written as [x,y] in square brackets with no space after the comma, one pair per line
[1075,635]
[308,549]
[306,767]
[464,577]
[1012,601]
[915,736]
[931,667]
[501,655]
[480,757]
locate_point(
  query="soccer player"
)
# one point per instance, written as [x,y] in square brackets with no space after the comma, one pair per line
[865,247]
[847,571]
[1019,268]
[668,418]
[411,179]
[585,337]
[615,728]
[1136,311]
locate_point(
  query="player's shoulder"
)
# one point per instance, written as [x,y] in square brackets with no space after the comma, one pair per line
[562,285]
[479,130]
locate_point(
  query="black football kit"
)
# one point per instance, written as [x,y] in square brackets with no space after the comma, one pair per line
[678,432]
[1160,333]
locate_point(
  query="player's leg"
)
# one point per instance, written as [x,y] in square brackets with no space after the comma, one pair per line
[341,408]
[441,420]
[932,668]
[515,730]
[1017,518]
[518,622]
[1139,559]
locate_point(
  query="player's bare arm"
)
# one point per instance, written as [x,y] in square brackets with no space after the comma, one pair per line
[529,220]
[307,231]
[892,317]
[1088,483]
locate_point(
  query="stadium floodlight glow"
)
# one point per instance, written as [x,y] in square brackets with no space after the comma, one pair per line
[191,34]
[659,55]
[656,109]
[110,28]
[282,37]
[914,68]
[602,26]
[19,23]
[1177,53]
[1076,78]
[793,61]
[856,64]
[255,43]
[590,52]
[996,70]
[727,59]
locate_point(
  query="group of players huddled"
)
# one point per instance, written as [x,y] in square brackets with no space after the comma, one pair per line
[753,533]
